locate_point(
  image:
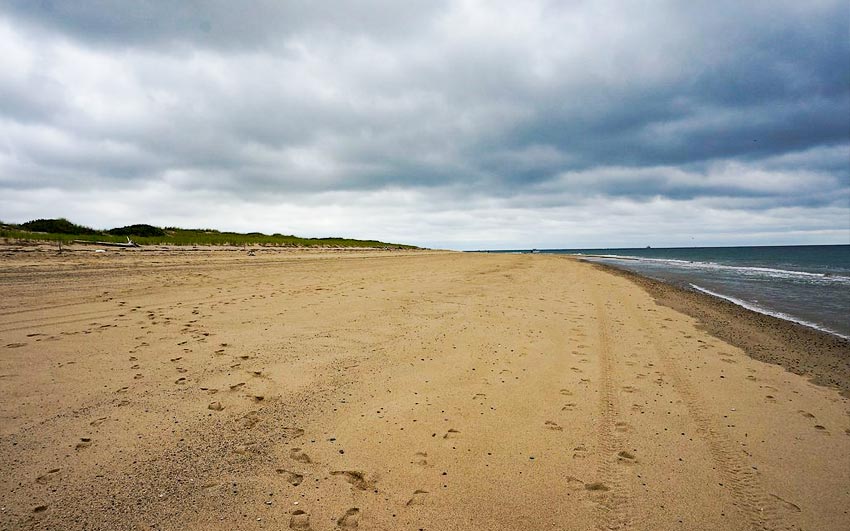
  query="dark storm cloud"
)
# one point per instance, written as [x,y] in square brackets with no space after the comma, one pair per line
[464,106]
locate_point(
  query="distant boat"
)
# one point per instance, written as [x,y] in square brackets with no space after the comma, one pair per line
[649,247]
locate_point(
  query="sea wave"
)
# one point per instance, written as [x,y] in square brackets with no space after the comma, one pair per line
[765,311]
[770,272]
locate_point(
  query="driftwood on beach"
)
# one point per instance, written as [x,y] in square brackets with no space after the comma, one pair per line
[130,243]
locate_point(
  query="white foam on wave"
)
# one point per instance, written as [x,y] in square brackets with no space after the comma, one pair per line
[759,309]
[746,270]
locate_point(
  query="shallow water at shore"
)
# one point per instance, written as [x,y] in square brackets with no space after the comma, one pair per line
[806,284]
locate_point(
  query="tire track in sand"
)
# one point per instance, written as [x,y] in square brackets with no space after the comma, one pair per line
[761,510]
[615,508]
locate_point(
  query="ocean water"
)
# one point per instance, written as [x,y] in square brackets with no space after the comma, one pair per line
[808,284]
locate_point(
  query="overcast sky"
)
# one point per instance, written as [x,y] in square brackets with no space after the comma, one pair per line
[458,124]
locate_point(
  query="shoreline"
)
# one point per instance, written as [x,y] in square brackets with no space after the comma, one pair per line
[822,356]
[778,315]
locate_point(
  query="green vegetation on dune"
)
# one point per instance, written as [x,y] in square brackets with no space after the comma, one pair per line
[142,234]
[137,230]
[56,226]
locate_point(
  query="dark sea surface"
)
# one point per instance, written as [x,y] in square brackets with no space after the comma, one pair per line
[809,284]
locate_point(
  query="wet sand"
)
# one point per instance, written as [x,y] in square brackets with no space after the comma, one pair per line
[393,390]
[818,355]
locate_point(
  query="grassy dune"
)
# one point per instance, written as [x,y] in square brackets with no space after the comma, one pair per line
[62,230]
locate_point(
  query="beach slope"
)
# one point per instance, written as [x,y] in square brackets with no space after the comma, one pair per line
[391,390]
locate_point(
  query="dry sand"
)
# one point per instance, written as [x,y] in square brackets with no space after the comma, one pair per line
[374,390]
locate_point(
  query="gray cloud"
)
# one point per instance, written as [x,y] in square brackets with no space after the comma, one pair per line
[218,24]
[521,113]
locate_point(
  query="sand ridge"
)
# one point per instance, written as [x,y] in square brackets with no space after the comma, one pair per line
[392,391]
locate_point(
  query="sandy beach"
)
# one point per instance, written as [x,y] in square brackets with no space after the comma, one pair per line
[374,390]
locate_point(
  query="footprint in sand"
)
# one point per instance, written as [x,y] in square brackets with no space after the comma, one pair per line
[98,422]
[569,407]
[629,389]
[216,406]
[292,433]
[566,392]
[626,457]
[296,454]
[350,520]
[622,427]
[248,449]
[451,433]
[479,396]
[85,442]
[574,483]
[805,414]
[419,458]
[552,426]
[580,452]
[356,478]
[596,487]
[300,521]
[418,498]
[47,477]
[792,507]
[210,485]
[294,478]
